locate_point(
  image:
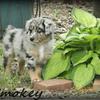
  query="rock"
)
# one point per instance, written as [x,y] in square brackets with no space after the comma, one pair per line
[96,85]
[53,85]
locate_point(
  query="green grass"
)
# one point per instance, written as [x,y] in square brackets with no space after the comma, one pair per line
[12,81]
[6,81]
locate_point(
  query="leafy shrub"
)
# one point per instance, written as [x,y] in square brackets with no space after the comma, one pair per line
[80,50]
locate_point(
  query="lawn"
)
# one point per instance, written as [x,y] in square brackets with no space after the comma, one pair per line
[12,82]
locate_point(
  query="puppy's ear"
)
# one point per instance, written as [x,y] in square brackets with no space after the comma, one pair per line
[28,23]
[10,27]
[49,26]
[40,23]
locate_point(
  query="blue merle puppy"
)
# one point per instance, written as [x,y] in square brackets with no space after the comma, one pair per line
[30,47]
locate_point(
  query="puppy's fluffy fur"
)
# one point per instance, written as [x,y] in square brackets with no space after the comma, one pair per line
[30,47]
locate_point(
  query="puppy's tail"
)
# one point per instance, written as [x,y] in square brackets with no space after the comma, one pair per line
[10,27]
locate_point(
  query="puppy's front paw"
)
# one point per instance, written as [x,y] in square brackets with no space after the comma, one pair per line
[35,79]
[35,76]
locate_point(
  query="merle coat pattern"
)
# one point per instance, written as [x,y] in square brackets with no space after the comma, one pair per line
[30,47]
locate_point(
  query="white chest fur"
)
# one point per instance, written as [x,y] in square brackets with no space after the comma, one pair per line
[45,50]
[41,52]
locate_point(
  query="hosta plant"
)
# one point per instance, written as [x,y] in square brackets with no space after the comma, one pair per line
[77,53]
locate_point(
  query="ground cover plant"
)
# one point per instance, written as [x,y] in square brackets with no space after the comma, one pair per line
[76,54]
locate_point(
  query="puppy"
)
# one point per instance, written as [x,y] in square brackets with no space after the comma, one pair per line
[30,47]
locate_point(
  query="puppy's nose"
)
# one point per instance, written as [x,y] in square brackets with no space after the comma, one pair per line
[31,39]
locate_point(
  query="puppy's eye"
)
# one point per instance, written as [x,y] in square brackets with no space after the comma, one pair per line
[30,30]
[39,30]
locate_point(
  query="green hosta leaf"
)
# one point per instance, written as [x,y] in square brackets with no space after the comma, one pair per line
[78,44]
[93,40]
[96,63]
[56,65]
[89,37]
[67,50]
[84,18]
[69,74]
[78,29]
[98,22]
[76,56]
[97,46]
[71,38]
[83,75]
[94,30]
[77,41]
[60,45]
[80,57]
[75,29]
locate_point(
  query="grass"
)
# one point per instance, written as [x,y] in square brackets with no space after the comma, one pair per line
[12,82]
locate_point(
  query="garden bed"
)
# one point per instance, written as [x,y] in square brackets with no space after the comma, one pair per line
[59,12]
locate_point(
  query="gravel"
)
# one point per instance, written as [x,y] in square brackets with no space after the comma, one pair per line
[61,12]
